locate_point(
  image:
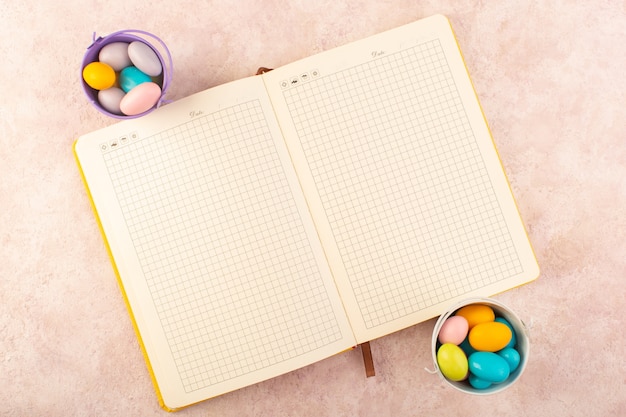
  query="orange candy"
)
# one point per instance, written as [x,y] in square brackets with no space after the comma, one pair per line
[476,314]
[490,336]
[99,75]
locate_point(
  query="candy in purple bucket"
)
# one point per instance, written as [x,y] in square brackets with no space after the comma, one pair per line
[108,56]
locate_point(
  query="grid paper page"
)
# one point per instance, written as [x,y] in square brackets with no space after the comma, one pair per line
[402,182]
[222,246]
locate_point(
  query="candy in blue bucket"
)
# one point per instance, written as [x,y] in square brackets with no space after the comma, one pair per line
[124,75]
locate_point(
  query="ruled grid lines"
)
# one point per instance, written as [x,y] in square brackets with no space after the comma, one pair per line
[402,181]
[222,246]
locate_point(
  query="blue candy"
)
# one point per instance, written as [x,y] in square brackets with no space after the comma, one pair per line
[478,383]
[467,348]
[511,356]
[131,77]
[489,366]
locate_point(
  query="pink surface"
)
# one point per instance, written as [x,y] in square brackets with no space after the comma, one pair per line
[552,84]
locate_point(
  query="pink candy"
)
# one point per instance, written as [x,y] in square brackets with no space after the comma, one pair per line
[140,99]
[454,330]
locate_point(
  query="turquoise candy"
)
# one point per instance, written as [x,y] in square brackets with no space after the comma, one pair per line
[511,356]
[478,383]
[467,348]
[131,77]
[489,366]
[513,341]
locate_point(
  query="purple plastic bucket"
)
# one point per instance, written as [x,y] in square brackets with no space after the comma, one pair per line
[128,36]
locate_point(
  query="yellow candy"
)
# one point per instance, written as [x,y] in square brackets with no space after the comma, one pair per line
[99,75]
[452,362]
[476,313]
[490,337]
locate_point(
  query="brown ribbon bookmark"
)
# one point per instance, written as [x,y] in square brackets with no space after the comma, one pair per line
[367,359]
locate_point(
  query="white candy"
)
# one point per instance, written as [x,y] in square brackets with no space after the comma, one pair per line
[110,99]
[144,58]
[116,55]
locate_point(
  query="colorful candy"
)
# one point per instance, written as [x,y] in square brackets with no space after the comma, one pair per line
[99,75]
[110,99]
[131,77]
[478,347]
[511,356]
[490,336]
[489,366]
[479,383]
[128,66]
[467,348]
[115,54]
[140,99]
[476,314]
[513,340]
[452,362]
[453,330]
[144,58]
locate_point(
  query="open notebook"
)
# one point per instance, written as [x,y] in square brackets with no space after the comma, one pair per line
[268,223]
